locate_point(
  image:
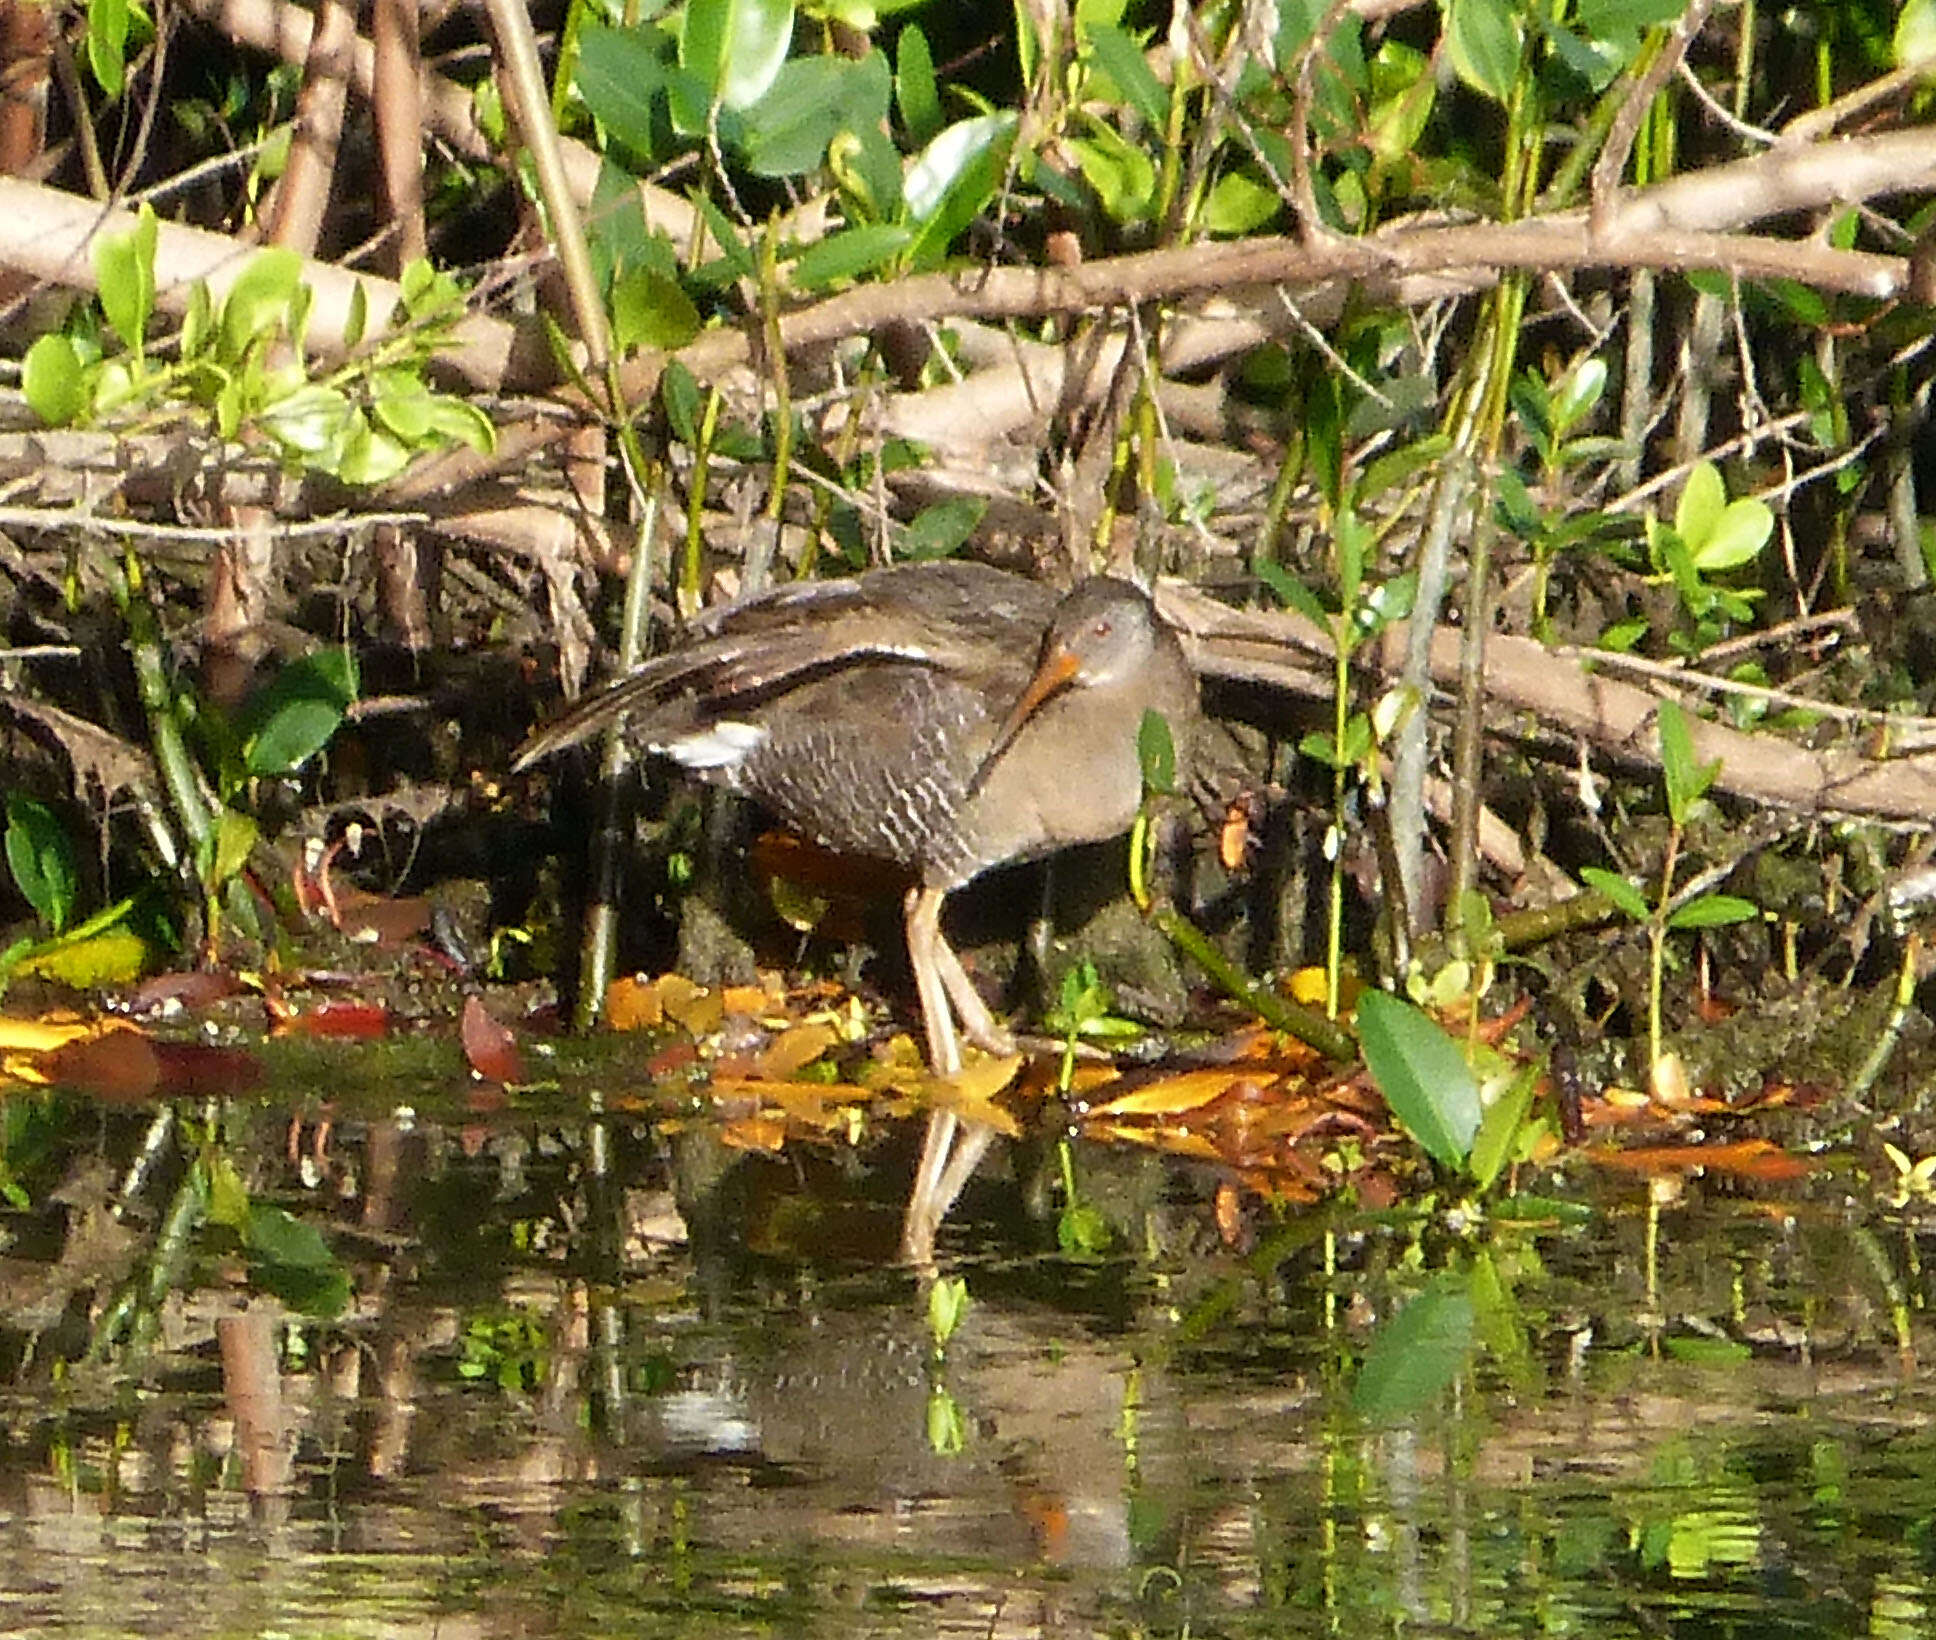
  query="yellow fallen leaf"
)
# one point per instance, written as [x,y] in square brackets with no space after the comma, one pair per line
[696,1008]
[970,1092]
[796,1047]
[825,1105]
[754,1133]
[1171,1141]
[39,1035]
[1176,1095]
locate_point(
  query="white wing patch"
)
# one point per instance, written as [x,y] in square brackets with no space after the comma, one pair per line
[726,745]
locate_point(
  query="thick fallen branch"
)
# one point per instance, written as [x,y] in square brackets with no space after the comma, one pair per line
[1563,694]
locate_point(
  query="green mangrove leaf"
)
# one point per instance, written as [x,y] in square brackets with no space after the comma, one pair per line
[914,86]
[41,857]
[124,273]
[259,301]
[1483,38]
[735,48]
[292,719]
[621,75]
[1713,911]
[52,380]
[956,176]
[1129,73]
[651,310]
[1423,1075]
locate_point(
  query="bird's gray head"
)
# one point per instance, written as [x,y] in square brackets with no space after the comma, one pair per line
[1104,631]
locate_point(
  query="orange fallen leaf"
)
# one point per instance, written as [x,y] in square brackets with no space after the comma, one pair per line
[634,1004]
[749,999]
[1170,1141]
[1230,1216]
[1757,1159]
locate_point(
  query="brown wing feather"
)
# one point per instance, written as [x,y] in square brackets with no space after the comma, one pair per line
[965,619]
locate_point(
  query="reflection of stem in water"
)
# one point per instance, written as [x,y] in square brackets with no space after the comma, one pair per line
[137,1308]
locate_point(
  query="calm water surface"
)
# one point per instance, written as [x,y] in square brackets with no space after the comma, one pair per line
[539,1417]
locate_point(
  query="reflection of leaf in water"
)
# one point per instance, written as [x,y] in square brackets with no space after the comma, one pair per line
[1415,1355]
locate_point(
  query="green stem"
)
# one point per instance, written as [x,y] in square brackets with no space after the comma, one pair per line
[1657,945]
[1340,795]
[1280,1013]
[178,775]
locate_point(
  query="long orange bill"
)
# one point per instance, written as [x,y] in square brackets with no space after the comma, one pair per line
[1053,674]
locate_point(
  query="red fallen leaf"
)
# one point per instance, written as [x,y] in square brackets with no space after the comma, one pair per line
[674,1056]
[383,922]
[1757,1159]
[847,886]
[119,1066]
[1376,1189]
[491,1048]
[205,1068]
[192,988]
[487,1099]
[345,1021]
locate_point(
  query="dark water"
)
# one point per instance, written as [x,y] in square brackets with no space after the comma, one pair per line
[537,1417]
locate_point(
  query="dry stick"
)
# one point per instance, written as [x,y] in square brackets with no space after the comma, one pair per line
[1525,676]
[49,231]
[525,93]
[1304,199]
[530,106]
[397,96]
[302,194]
[1612,162]
[598,945]
[1411,751]
[236,592]
[76,95]
[1636,379]
[44,232]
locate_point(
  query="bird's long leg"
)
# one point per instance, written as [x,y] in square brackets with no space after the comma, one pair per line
[971,1139]
[977,1023]
[971,1144]
[922,910]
